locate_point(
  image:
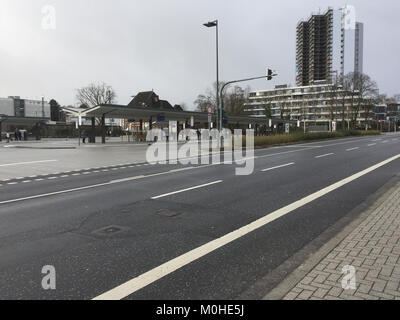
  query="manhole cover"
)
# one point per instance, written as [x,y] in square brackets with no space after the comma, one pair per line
[168,213]
[110,230]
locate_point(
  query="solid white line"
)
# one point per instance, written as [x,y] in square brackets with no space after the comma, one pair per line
[324,155]
[169,267]
[185,190]
[372,144]
[54,193]
[22,163]
[277,167]
[352,149]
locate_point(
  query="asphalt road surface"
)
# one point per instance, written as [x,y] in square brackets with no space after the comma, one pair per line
[181,232]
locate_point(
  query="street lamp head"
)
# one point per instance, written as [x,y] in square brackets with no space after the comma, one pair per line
[211,24]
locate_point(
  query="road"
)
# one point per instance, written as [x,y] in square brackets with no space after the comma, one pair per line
[139,231]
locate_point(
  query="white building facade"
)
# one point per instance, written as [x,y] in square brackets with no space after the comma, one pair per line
[24,108]
[314,105]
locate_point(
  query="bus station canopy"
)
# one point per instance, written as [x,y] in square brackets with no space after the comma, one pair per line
[145,113]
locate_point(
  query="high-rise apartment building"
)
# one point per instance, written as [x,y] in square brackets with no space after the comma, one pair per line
[328,44]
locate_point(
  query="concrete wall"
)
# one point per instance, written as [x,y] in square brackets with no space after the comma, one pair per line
[7,107]
[33,108]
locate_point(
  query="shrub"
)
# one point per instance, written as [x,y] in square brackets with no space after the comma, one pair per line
[298,137]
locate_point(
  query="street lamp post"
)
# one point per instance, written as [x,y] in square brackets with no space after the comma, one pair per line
[212,24]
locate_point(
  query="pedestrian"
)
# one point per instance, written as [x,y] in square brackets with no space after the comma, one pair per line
[16,135]
[84,136]
[8,137]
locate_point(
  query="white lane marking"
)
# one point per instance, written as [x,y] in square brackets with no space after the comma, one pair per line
[52,178]
[352,149]
[376,140]
[386,141]
[372,144]
[64,176]
[54,193]
[169,267]
[127,179]
[26,181]
[101,184]
[324,155]
[277,167]
[23,163]
[185,190]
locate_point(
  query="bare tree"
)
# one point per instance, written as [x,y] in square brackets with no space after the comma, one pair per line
[95,94]
[268,110]
[209,98]
[362,88]
[334,98]
[235,100]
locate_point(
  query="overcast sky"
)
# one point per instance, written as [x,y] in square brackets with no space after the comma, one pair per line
[161,44]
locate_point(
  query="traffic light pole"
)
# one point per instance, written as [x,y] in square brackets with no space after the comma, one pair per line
[269,76]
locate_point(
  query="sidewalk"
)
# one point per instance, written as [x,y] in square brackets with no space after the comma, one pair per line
[62,143]
[372,248]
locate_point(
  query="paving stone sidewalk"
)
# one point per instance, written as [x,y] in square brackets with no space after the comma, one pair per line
[373,248]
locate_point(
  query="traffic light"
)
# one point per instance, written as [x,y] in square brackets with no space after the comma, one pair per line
[269,74]
[224,117]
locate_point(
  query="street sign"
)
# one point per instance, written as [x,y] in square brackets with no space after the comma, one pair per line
[210,110]
[334,126]
[287,128]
